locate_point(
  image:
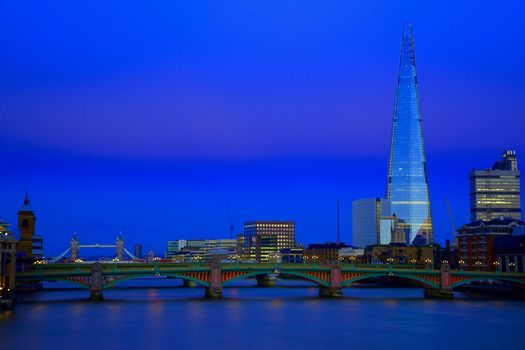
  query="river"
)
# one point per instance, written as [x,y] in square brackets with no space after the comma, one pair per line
[289,316]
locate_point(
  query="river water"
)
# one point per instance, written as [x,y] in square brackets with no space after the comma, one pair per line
[290,316]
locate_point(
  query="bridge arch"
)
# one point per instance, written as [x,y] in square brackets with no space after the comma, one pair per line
[422,281]
[246,275]
[282,273]
[485,279]
[64,279]
[113,283]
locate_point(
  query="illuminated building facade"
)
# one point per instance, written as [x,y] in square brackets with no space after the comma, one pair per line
[366,220]
[399,253]
[200,249]
[407,183]
[324,253]
[476,241]
[393,230]
[263,238]
[496,192]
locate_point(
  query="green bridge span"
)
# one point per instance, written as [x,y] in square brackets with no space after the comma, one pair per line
[331,278]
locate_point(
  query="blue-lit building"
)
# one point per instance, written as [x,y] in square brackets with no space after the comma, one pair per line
[366,220]
[407,183]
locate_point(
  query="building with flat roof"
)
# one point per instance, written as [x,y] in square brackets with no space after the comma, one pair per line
[199,249]
[366,220]
[323,252]
[263,237]
[496,192]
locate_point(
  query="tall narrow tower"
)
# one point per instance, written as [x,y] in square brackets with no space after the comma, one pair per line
[407,184]
[26,225]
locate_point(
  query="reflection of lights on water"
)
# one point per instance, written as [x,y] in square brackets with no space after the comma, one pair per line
[78,309]
[276,303]
[155,307]
[391,303]
[152,293]
[194,311]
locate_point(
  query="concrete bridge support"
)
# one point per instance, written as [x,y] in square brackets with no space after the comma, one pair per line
[445,286]
[335,290]
[189,283]
[95,287]
[215,288]
[266,280]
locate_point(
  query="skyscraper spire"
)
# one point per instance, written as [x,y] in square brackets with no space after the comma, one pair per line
[407,184]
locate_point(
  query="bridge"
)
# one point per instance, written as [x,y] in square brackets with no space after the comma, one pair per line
[74,247]
[331,278]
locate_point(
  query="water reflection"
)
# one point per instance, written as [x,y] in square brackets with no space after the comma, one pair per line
[258,318]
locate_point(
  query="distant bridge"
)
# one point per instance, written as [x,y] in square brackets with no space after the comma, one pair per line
[331,279]
[74,247]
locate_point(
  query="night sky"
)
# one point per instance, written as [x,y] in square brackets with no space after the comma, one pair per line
[153,119]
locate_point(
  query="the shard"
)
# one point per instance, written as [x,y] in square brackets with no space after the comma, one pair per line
[407,186]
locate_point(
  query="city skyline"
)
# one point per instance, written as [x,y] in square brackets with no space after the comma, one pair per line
[100,140]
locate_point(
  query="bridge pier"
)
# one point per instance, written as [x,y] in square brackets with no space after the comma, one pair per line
[335,290]
[189,284]
[95,286]
[215,289]
[266,280]
[445,286]
[329,292]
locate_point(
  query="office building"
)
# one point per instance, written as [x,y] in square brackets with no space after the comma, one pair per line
[366,220]
[200,249]
[393,230]
[407,183]
[476,241]
[323,253]
[496,192]
[509,252]
[137,250]
[292,255]
[399,253]
[262,238]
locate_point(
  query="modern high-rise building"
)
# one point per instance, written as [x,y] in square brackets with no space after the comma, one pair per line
[407,183]
[392,230]
[263,238]
[366,219]
[496,192]
[137,250]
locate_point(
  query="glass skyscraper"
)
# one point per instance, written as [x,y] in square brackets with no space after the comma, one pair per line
[407,186]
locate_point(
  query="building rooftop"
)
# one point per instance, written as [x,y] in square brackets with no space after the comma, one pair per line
[501,221]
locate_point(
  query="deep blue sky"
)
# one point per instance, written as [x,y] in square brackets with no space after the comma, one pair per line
[152,119]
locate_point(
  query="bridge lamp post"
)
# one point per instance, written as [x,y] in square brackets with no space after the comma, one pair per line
[461,264]
[478,264]
[413,262]
[496,265]
[511,266]
[428,262]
